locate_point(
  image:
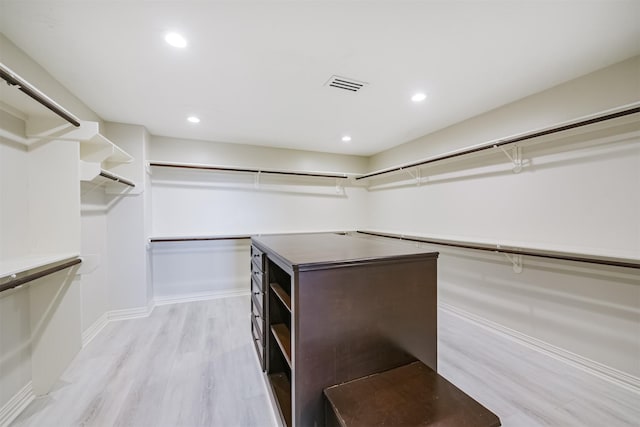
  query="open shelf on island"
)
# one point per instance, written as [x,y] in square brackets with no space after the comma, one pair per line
[283,338]
[282,389]
[282,295]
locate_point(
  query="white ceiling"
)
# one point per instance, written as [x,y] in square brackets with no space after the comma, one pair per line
[254,71]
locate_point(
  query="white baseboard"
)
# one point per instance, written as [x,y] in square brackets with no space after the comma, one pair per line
[200,296]
[592,367]
[92,331]
[16,405]
[131,313]
[139,312]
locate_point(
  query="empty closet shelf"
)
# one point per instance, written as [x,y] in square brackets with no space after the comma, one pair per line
[283,338]
[282,389]
[168,239]
[282,295]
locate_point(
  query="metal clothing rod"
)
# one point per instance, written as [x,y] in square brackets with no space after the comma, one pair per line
[567,256]
[226,237]
[195,239]
[15,80]
[116,178]
[18,281]
[232,169]
[532,135]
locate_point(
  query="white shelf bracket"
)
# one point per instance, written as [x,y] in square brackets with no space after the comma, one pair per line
[516,261]
[339,188]
[417,176]
[256,182]
[94,187]
[515,157]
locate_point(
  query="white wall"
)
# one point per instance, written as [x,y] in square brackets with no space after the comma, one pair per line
[14,224]
[576,193]
[15,330]
[15,343]
[209,203]
[14,58]
[94,284]
[185,270]
[251,156]
[148,216]
[126,239]
[204,203]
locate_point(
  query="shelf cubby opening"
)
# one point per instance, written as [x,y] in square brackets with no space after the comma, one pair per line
[283,296]
[282,336]
[281,385]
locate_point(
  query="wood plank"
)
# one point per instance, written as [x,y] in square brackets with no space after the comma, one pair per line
[282,390]
[283,338]
[282,295]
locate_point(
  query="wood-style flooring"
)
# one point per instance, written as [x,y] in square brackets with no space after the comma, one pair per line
[193,364]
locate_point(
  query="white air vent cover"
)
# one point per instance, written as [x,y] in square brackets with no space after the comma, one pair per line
[344,83]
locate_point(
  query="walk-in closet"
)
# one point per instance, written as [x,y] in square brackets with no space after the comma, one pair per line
[277,213]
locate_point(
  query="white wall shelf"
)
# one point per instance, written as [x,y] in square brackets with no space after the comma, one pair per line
[94,147]
[92,172]
[98,154]
[19,271]
[217,168]
[17,82]
[517,251]
[501,144]
[18,265]
[172,239]
[99,149]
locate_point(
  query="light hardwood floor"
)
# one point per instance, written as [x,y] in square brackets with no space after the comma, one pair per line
[193,364]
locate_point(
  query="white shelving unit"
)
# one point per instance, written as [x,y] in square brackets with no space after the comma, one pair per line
[98,154]
[44,152]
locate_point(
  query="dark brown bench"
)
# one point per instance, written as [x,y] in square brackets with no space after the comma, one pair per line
[411,395]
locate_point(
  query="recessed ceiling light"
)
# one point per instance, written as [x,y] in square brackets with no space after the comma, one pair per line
[346,138]
[418,97]
[175,40]
[193,119]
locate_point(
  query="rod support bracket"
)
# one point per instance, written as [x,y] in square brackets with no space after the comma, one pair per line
[516,262]
[417,176]
[514,157]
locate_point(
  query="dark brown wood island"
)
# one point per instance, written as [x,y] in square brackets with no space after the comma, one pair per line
[330,308]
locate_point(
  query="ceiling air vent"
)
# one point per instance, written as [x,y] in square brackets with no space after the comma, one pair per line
[346,84]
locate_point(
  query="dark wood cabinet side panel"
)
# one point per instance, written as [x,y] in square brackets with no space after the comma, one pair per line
[360,320]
